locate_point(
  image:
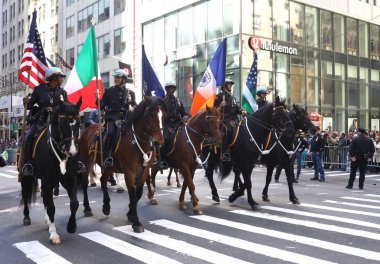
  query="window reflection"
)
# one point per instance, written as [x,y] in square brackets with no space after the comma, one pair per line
[311,26]
[339,35]
[200,23]
[281,20]
[363,39]
[171,28]
[327,92]
[185,22]
[312,91]
[297,23]
[214,22]
[297,87]
[352,41]
[312,62]
[374,42]
[326,35]
[262,18]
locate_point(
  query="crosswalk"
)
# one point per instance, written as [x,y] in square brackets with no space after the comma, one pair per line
[328,232]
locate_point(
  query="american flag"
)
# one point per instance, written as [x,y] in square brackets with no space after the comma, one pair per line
[33,61]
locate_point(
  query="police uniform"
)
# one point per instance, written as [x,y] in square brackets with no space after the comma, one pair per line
[362,149]
[116,102]
[175,113]
[261,103]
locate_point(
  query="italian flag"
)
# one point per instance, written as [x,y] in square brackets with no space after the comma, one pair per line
[82,81]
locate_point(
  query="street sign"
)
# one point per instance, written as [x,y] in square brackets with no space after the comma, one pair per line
[15,127]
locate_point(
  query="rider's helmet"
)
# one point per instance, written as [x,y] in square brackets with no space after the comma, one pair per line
[53,72]
[121,73]
[261,89]
[170,84]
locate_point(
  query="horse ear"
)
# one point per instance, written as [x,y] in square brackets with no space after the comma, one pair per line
[147,97]
[79,103]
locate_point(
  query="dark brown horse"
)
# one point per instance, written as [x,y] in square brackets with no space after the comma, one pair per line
[134,155]
[184,155]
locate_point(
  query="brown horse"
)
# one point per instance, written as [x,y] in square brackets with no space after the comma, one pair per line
[134,155]
[184,155]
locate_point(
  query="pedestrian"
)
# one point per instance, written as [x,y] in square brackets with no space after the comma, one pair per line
[301,144]
[317,146]
[376,157]
[361,151]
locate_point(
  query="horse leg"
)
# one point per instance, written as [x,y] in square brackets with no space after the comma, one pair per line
[49,213]
[270,169]
[170,174]
[151,184]
[238,183]
[27,192]
[182,205]
[290,179]
[177,178]
[134,196]
[194,199]
[74,204]
[106,198]
[92,177]
[210,178]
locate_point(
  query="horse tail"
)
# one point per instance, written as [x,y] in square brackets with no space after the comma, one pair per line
[225,168]
[28,189]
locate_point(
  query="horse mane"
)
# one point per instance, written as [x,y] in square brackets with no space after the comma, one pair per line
[149,103]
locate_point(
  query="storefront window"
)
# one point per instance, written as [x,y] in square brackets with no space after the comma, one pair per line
[340,91]
[247,14]
[312,93]
[185,27]
[282,86]
[170,71]
[282,62]
[327,92]
[234,75]
[185,68]
[186,91]
[262,15]
[297,23]
[211,48]
[352,73]
[312,62]
[375,96]
[200,23]
[327,69]
[147,39]
[311,26]
[364,75]
[214,22]
[363,119]
[339,35]
[297,62]
[280,20]
[353,94]
[297,89]
[374,42]
[340,71]
[158,37]
[231,11]
[363,96]
[171,29]
[200,61]
[326,35]
[363,39]
[340,117]
[233,55]
[352,39]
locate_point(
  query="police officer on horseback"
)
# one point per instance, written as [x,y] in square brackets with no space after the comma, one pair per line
[230,111]
[43,99]
[117,102]
[261,93]
[176,115]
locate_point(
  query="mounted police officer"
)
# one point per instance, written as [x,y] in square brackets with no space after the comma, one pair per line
[117,102]
[230,111]
[361,151]
[176,115]
[42,100]
[261,93]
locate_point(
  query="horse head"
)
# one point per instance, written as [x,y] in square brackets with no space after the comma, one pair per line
[65,126]
[300,118]
[280,118]
[213,121]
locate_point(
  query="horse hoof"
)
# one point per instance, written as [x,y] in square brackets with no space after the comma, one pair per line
[138,229]
[169,183]
[106,211]
[265,198]
[198,211]
[295,201]
[93,184]
[153,202]
[56,241]
[216,198]
[56,191]
[27,221]
[120,190]
[71,228]
[232,198]
[182,206]
[87,212]
[255,206]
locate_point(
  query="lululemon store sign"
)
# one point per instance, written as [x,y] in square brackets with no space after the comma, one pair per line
[255,43]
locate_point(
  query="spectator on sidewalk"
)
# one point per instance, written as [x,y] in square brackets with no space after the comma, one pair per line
[361,151]
[342,149]
[316,147]
[376,156]
[333,142]
[301,144]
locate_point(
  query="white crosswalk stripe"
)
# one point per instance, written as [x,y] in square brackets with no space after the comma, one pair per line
[335,209]
[361,199]
[7,176]
[353,204]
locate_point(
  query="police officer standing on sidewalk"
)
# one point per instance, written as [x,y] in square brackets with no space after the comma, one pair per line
[361,151]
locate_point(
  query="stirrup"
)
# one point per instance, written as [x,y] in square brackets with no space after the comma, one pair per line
[81,167]
[27,169]
[108,163]
[226,156]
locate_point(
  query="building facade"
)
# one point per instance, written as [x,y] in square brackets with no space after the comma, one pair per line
[322,55]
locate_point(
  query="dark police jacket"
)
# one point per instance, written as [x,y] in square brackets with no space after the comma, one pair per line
[175,111]
[116,102]
[362,147]
[317,143]
[43,96]
[261,103]
[304,145]
[231,109]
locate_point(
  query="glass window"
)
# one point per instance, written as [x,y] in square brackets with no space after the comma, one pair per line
[170,71]
[70,56]
[327,92]
[312,62]
[363,119]
[327,69]
[364,96]
[297,62]
[104,10]
[281,20]
[233,54]
[158,28]
[70,26]
[247,13]
[119,41]
[185,68]
[200,61]
[282,86]
[339,35]
[282,62]
[119,6]
[186,91]
[105,79]
[148,39]
[340,118]
[363,39]
[200,23]
[214,23]
[326,35]
[231,10]
[297,23]
[297,89]
[375,96]
[211,48]
[353,94]
[69,2]
[171,29]
[340,71]
[374,42]
[185,27]
[352,41]
[340,92]
[262,18]
[352,73]
[104,46]
[364,75]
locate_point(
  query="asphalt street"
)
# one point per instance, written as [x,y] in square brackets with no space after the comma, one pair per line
[332,225]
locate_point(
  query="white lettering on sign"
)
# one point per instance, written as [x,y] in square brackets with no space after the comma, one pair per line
[255,43]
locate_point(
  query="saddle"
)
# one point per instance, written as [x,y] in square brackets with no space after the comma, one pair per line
[37,140]
[168,147]
[94,145]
